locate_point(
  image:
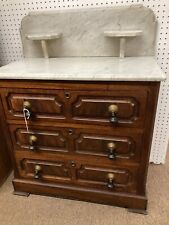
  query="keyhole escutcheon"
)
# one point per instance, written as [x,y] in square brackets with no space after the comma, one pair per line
[67,94]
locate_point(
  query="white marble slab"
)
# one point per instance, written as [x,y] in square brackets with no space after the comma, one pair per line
[85,69]
[83,31]
[39,37]
[123,33]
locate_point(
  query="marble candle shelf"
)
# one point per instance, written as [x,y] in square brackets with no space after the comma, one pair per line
[43,38]
[123,36]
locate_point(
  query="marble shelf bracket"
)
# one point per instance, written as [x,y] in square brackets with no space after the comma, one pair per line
[123,36]
[43,38]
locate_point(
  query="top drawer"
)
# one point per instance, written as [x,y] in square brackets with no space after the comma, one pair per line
[123,108]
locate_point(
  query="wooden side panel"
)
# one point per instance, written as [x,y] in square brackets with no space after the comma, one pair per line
[5,159]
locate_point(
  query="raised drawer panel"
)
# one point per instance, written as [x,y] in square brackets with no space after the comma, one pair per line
[113,179]
[43,105]
[117,145]
[44,170]
[45,139]
[93,107]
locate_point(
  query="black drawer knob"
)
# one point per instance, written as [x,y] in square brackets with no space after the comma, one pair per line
[112,150]
[27,110]
[113,109]
[110,183]
[33,142]
[38,170]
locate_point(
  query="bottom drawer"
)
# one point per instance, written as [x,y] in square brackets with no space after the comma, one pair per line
[114,178]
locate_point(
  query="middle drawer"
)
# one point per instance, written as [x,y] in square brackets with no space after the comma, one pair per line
[109,145]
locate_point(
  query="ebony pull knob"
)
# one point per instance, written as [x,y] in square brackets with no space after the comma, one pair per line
[27,109]
[38,170]
[33,141]
[110,183]
[112,148]
[113,109]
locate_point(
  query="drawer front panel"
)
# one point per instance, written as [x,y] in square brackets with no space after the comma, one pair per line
[42,105]
[94,107]
[45,139]
[113,179]
[43,170]
[119,145]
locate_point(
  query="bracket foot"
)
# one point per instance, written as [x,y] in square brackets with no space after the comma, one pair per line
[139,211]
[24,194]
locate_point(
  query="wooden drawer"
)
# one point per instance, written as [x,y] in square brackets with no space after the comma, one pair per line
[116,179]
[108,146]
[84,107]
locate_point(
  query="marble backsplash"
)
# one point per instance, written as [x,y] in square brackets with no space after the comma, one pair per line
[82,31]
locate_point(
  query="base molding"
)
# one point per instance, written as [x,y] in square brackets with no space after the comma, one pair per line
[134,202]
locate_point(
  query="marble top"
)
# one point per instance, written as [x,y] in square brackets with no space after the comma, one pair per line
[85,69]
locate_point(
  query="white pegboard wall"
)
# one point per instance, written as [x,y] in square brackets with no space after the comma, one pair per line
[12,12]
